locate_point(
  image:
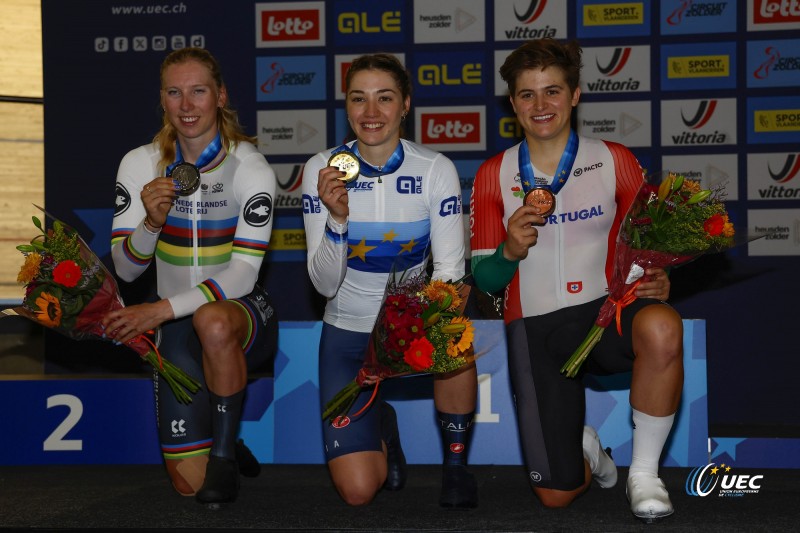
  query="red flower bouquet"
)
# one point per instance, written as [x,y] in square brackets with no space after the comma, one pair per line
[69,290]
[670,223]
[420,329]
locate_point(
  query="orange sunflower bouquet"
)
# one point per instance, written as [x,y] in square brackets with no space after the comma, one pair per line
[69,290]
[420,329]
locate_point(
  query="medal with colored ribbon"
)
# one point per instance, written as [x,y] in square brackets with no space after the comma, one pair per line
[543,197]
[349,161]
[187,175]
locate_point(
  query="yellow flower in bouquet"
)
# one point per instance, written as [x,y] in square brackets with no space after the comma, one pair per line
[69,290]
[420,329]
[669,223]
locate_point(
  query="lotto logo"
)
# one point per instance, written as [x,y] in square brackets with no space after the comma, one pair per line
[451,128]
[283,23]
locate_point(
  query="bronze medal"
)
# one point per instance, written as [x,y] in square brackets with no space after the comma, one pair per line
[347,162]
[186,177]
[542,199]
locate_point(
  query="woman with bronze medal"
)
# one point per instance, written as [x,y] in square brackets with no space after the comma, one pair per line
[369,205]
[197,201]
[552,253]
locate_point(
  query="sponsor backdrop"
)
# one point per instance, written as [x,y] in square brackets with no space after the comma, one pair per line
[705,88]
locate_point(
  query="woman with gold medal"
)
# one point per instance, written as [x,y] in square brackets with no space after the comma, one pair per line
[374,203]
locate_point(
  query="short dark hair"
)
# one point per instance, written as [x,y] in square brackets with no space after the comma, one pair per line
[543,53]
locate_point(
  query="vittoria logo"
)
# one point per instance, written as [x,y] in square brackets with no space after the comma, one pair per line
[617,62]
[790,169]
[704,112]
[574,287]
[532,12]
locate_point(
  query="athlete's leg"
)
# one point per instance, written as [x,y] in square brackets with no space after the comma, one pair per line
[454,397]
[184,430]
[656,387]
[353,446]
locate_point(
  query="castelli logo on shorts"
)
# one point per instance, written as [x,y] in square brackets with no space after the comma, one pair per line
[456,447]
[341,422]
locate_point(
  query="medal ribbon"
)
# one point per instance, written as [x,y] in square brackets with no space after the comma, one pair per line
[365,169]
[562,172]
[212,156]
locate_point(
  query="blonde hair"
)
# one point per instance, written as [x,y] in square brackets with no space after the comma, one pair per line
[228,125]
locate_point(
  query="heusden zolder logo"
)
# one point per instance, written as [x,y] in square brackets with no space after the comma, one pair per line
[706,480]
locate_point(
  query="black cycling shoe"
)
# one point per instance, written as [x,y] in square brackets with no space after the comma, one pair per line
[222,482]
[458,488]
[248,464]
[396,473]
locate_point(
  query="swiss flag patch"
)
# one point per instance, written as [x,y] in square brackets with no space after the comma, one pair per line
[574,287]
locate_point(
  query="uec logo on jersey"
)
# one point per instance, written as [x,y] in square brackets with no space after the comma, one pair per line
[409,185]
[450,206]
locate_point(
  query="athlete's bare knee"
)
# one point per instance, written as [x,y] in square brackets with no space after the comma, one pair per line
[555,499]
[356,495]
[187,475]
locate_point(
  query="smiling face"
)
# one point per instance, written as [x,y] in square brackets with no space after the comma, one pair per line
[190,98]
[375,110]
[543,103]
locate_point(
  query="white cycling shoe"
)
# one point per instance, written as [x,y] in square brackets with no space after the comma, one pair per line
[604,471]
[648,497]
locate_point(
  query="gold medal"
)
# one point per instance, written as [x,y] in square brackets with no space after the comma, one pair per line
[347,162]
[542,199]
[186,177]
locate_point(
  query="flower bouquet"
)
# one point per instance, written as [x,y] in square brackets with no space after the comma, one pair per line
[669,223]
[69,290]
[420,329]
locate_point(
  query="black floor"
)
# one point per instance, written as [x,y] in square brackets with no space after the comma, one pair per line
[300,498]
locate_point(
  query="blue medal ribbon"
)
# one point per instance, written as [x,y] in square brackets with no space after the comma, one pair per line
[365,169]
[562,172]
[209,155]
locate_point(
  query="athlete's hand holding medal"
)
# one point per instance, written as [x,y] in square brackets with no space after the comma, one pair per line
[343,167]
[539,201]
[159,194]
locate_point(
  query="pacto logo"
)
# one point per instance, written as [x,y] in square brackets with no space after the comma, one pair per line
[617,63]
[293,25]
[790,169]
[532,12]
[450,206]
[451,128]
[702,116]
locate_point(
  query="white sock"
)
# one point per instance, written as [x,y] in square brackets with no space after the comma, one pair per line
[649,435]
